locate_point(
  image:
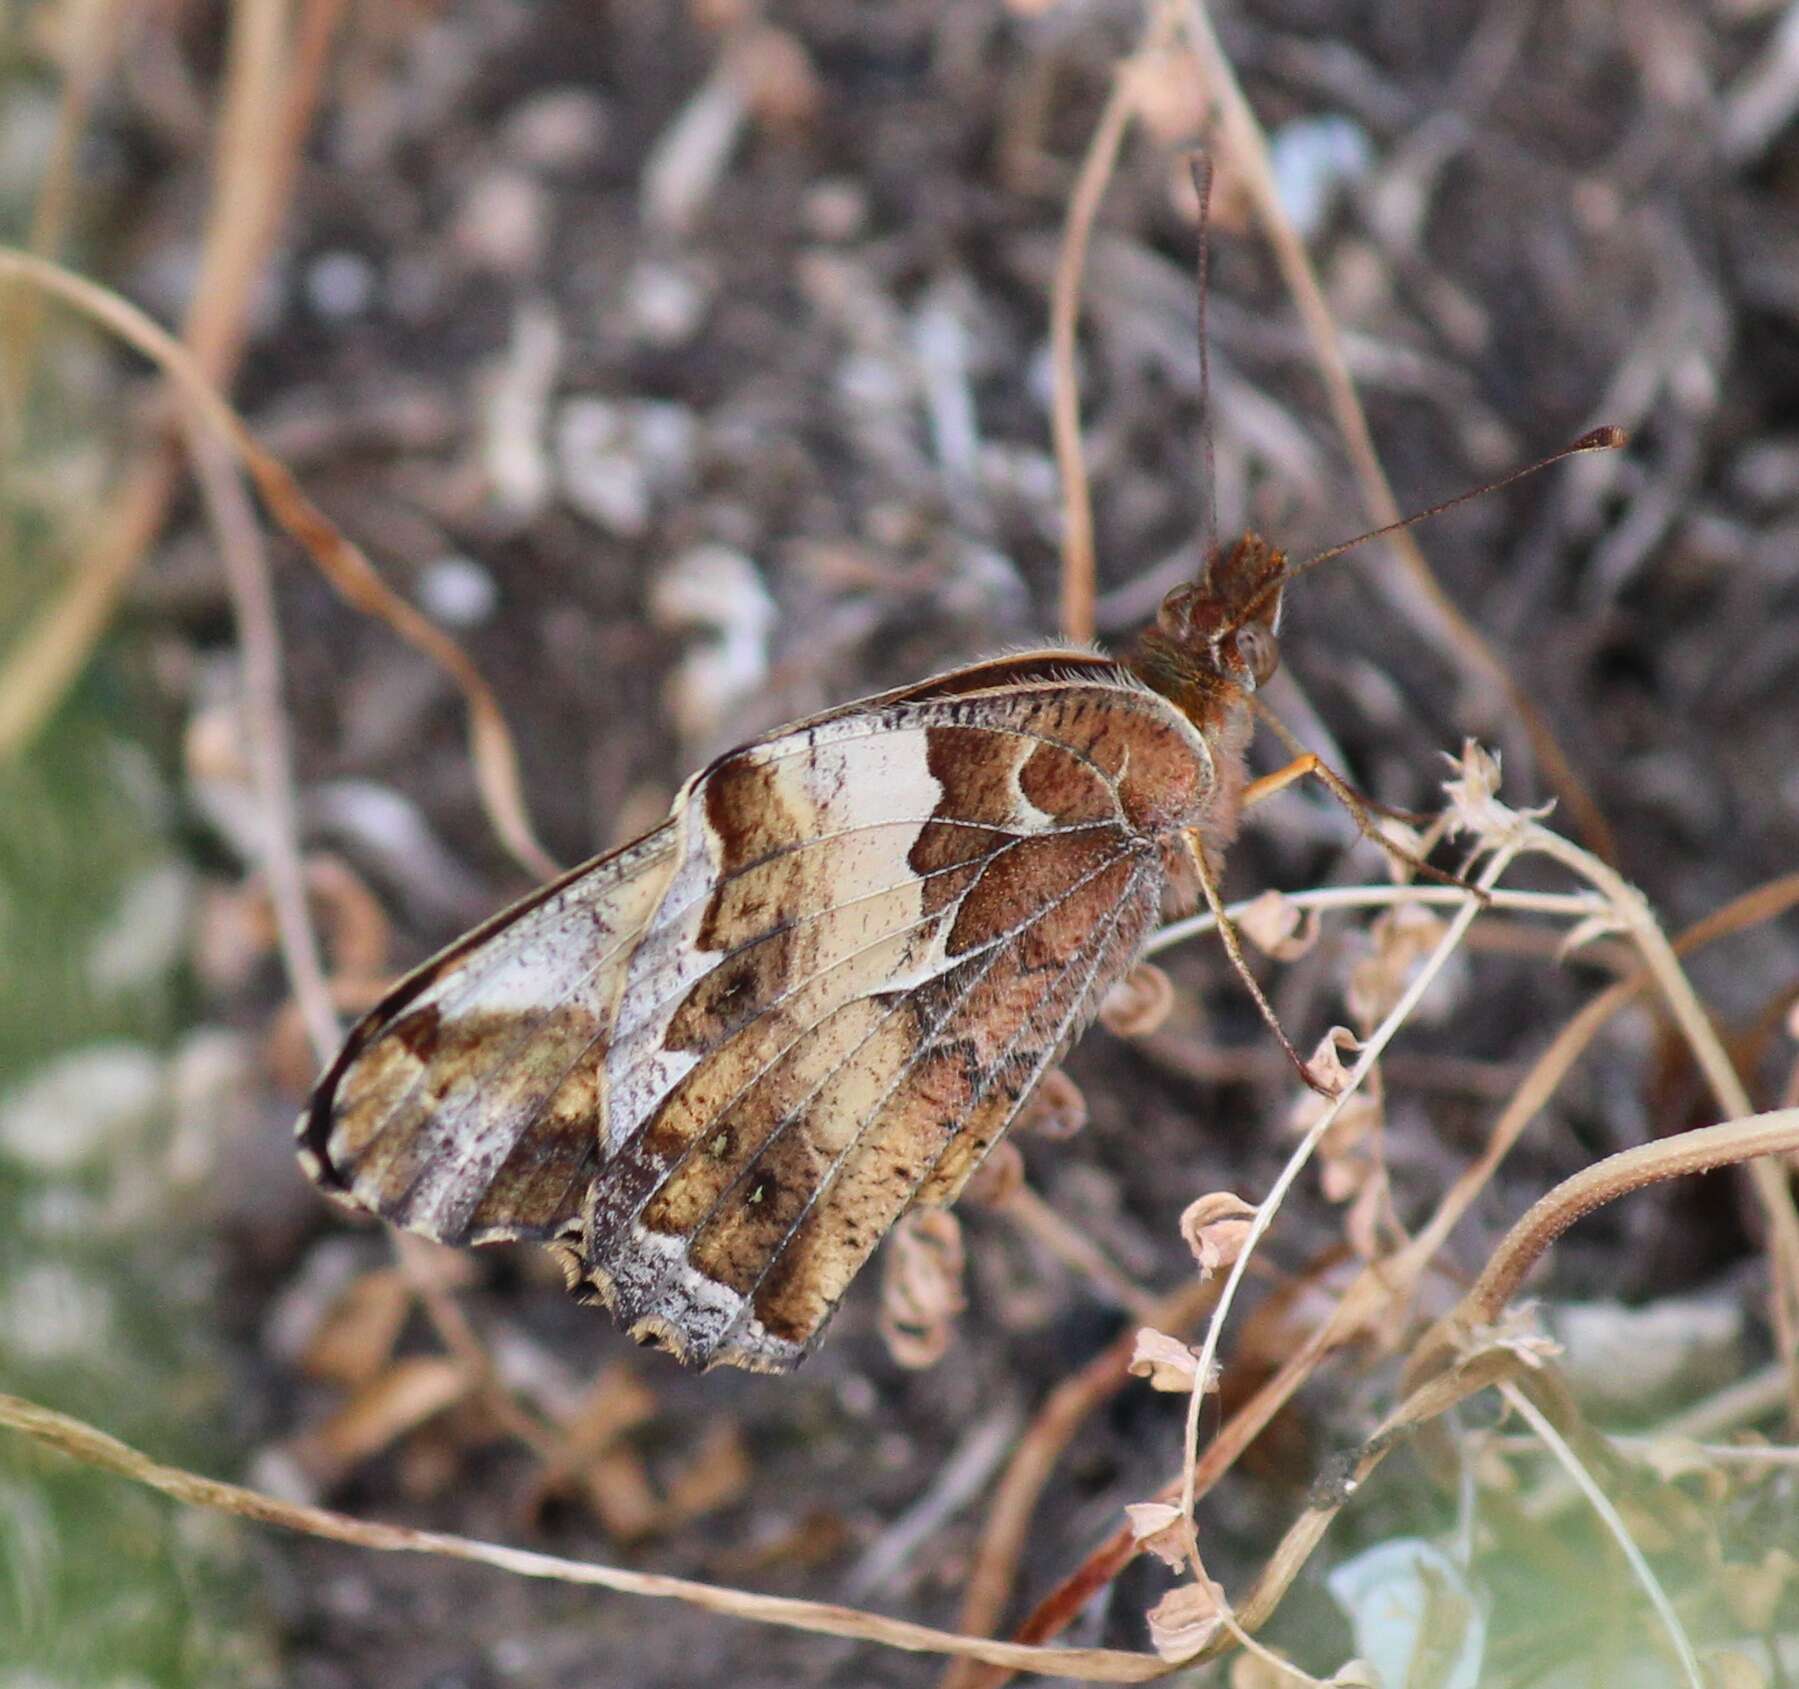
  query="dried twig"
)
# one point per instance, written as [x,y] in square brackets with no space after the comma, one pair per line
[1079,570]
[270,94]
[1377,1286]
[259,634]
[83,1442]
[1416,595]
[342,562]
[1064,1411]
[1366,1057]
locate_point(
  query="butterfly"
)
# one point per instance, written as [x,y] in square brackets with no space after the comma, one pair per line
[711,1069]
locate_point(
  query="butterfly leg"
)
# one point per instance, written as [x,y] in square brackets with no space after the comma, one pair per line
[1233,948]
[1360,807]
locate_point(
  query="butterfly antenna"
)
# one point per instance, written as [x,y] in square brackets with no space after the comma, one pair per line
[1599,440]
[1202,185]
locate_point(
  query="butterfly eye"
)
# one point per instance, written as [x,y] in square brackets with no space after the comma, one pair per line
[1260,651]
[1175,618]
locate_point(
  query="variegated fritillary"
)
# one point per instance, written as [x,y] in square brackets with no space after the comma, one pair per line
[712,1068]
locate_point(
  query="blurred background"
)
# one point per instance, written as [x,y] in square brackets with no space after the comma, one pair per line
[688,362]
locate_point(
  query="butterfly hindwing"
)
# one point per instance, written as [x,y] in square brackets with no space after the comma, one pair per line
[817,994]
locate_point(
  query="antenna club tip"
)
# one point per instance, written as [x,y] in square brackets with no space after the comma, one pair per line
[1608,439]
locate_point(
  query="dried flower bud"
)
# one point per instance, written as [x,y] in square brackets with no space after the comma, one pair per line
[1473,792]
[1278,927]
[1348,1151]
[1186,1619]
[1167,1362]
[1139,1003]
[921,1286]
[997,1180]
[1401,939]
[1216,1226]
[1159,1528]
[1056,1110]
[1326,1066]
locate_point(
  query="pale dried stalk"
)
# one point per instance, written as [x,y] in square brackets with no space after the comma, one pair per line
[1679,1157]
[1772,1187]
[1064,1411]
[1538,1421]
[245,560]
[1366,1058]
[343,563]
[1079,569]
[1479,1371]
[252,170]
[1574,906]
[83,1442]
[1417,597]
[1377,1286]
[246,566]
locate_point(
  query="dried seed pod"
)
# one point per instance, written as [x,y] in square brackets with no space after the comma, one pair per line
[998,1179]
[1167,1362]
[1158,1528]
[1216,1226]
[1057,1110]
[921,1287]
[1139,1003]
[1186,1619]
[1278,927]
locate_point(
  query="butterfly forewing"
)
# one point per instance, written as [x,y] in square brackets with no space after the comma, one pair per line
[817,994]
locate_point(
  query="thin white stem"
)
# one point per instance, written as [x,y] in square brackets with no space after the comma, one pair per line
[1723,1454]
[1370,1053]
[1573,906]
[1600,1502]
[245,560]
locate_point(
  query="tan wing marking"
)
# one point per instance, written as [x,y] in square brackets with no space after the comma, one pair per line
[689,1294]
[451,1108]
[645,1272]
[910,1152]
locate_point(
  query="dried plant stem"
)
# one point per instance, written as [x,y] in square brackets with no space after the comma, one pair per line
[1772,1186]
[259,635]
[255,161]
[1376,1287]
[1079,570]
[1416,596]
[1679,1157]
[1064,1411]
[1482,1370]
[83,1442]
[1366,1057]
[1574,906]
[245,561]
[342,562]
[1539,1422]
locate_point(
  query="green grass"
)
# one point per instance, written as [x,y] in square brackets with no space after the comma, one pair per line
[106,1281]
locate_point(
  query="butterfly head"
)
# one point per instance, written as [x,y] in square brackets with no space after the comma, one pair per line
[1222,632]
